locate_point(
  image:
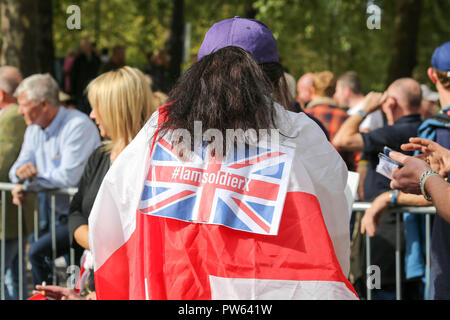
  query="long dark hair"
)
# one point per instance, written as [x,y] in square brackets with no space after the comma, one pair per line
[280,93]
[224,90]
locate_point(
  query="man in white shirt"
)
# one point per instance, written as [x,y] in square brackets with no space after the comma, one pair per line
[348,95]
[55,149]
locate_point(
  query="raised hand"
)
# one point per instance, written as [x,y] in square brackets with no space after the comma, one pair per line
[434,154]
[373,101]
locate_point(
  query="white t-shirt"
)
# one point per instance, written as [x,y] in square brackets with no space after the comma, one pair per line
[372,122]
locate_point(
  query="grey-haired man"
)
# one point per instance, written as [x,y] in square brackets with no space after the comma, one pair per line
[56,147]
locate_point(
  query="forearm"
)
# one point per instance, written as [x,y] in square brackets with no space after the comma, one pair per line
[55,179]
[348,137]
[13,170]
[439,191]
[12,174]
[362,170]
[413,200]
[403,199]
[81,236]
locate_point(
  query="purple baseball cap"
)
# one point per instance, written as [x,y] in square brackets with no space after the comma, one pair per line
[441,57]
[251,35]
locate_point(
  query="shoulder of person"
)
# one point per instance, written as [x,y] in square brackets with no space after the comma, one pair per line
[75,118]
[312,148]
[339,110]
[296,126]
[32,134]
[98,156]
[10,118]
[11,114]
[79,129]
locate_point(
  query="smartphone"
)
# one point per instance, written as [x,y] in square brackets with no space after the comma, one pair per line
[387,151]
[387,165]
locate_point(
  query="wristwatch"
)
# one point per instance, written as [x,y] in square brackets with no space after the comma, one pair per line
[423,179]
[362,113]
[393,194]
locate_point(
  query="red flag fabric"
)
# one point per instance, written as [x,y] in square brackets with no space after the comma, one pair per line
[157,254]
[38,297]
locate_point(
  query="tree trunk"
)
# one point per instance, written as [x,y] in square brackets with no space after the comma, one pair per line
[176,41]
[406,32]
[45,44]
[27,30]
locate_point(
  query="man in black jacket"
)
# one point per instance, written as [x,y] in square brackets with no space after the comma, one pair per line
[401,105]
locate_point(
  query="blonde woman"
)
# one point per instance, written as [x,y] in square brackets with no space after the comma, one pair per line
[122,102]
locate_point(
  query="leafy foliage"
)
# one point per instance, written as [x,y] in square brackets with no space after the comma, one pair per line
[312,35]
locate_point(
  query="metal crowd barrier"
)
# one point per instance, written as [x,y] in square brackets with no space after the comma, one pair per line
[7,187]
[358,206]
[398,211]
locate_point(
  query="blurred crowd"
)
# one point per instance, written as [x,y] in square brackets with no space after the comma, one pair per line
[74,72]
[67,130]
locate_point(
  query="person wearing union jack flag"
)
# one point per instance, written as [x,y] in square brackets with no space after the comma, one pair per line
[224,194]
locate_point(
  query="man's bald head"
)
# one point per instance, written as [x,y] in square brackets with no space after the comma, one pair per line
[10,78]
[407,93]
[306,80]
[305,86]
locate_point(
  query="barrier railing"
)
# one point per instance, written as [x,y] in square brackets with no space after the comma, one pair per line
[398,211]
[7,187]
[358,206]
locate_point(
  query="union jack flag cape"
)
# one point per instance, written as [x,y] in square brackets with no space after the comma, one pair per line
[263,224]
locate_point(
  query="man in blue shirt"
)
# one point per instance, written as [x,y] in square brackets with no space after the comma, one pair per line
[56,147]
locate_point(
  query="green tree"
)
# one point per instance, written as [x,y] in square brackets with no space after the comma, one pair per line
[312,35]
[140,25]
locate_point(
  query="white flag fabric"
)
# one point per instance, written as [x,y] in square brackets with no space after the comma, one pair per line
[146,255]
